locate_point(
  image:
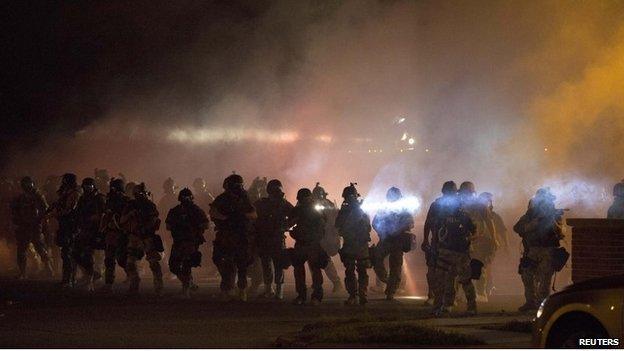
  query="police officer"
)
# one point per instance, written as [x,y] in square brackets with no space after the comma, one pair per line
[203,198]
[28,214]
[140,220]
[485,241]
[89,212]
[354,228]
[116,238]
[64,209]
[540,230]
[309,225]
[429,246]
[331,240]
[454,232]
[187,223]
[616,211]
[269,238]
[232,213]
[389,224]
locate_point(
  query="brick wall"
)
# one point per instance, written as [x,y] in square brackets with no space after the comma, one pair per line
[597,247]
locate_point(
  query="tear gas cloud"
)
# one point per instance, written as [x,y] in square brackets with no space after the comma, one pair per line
[511,95]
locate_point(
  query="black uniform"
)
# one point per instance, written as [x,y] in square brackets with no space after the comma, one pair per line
[89,212]
[116,237]
[187,223]
[389,225]
[269,238]
[354,227]
[231,245]
[28,214]
[308,233]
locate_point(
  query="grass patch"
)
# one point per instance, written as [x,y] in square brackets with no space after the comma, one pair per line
[514,326]
[391,332]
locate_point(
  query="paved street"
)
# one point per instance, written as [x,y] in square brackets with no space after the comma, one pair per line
[39,314]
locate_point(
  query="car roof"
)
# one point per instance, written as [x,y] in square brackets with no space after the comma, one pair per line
[602,283]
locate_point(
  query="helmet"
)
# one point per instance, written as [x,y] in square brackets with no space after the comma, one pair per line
[350,191]
[618,189]
[185,193]
[140,189]
[130,188]
[467,188]
[168,185]
[199,183]
[545,194]
[117,184]
[486,196]
[69,179]
[101,173]
[449,188]
[232,182]
[27,183]
[88,184]
[393,194]
[303,194]
[319,192]
[274,186]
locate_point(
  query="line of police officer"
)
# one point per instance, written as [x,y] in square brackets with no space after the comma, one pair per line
[461,234]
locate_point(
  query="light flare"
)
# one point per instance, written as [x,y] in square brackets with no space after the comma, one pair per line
[411,204]
[217,135]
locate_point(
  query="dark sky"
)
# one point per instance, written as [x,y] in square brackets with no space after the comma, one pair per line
[64,57]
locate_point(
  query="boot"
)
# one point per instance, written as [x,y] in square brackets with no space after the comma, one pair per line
[242,295]
[268,291]
[352,300]
[279,292]
[299,301]
[472,308]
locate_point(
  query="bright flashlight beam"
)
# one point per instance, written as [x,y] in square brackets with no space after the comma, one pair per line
[410,204]
[215,135]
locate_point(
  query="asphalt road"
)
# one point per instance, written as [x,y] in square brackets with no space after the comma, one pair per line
[39,314]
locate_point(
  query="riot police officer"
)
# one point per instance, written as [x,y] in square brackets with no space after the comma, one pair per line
[390,223]
[616,210]
[28,214]
[429,246]
[89,212]
[140,220]
[354,227]
[116,238]
[331,240]
[269,238]
[232,213]
[540,230]
[64,209]
[187,223]
[309,227]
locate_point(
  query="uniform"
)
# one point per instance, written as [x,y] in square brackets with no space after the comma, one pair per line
[331,241]
[116,238]
[454,230]
[187,223]
[616,210]
[89,212]
[28,214]
[540,230]
[231,245]
[431,246]
[308,233]
[485,241]
[269,238]
[389,225]
[140,220]
[65,212]
[354,227]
